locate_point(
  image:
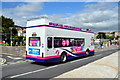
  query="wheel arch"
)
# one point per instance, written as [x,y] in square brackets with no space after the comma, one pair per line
[63,52]
[88,50]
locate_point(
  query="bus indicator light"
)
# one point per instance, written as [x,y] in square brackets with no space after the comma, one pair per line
[34,34]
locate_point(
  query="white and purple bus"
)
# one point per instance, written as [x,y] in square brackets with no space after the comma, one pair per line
[51,42]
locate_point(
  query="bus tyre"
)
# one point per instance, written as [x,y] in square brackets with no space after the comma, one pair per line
[87,52]
[63,57]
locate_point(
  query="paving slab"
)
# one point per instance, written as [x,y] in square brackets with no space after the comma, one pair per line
[106,67]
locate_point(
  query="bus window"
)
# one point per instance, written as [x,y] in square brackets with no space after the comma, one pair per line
[82,41]
[49,42]
[71,42]
[57,42]
[34,41]
[79,43]
[75,42]
[67,42]
[61,42]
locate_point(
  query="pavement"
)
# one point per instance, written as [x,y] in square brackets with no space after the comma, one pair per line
[106,67]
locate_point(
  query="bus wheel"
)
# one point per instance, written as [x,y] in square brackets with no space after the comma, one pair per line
[87,52]
[63,57]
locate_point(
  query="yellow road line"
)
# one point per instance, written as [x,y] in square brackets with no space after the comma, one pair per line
[3,61]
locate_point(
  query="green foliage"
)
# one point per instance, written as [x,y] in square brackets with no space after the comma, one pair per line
[14,32]
[4,44]
[109,37]
[1,30]
[17,38]
[4,30]
[7,22]
[24,44]
[101,35]
[7,29]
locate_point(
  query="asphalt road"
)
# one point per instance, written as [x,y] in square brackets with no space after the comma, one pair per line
[10,58]
[39,70]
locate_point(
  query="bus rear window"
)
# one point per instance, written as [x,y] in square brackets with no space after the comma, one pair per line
[34,41]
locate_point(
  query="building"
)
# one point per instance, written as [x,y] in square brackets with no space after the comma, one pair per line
[115,34]
[21,31]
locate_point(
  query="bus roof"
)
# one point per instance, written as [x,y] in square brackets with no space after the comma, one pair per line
[44,22]
[59,28]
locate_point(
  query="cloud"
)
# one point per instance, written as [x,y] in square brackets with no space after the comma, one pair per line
[22,12]
[103,16]
[101,6]
[97,17]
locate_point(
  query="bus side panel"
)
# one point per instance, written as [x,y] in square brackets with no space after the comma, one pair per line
[80,55]
[44,60]
[57,59]
[88,41]
[54,32]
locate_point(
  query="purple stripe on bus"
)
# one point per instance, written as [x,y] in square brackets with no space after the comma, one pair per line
[58,27]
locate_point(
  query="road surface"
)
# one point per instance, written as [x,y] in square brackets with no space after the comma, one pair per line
[39,70]
[8,58]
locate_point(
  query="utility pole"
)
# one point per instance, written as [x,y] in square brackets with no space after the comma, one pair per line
[11,36]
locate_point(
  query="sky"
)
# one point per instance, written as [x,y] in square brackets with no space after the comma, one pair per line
[97,16]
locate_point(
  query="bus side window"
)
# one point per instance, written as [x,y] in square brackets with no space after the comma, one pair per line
[79,43]
[71,42]
[57,42]
[49,42]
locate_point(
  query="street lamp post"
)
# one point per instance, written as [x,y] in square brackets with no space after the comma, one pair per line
[11,36]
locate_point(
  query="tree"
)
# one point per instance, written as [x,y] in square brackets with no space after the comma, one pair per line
[109,37]
[7,22]
[101,35]
[9,31]
[14,31]
[5,29]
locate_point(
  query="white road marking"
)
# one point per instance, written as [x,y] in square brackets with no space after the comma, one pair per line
[79,59]
[16,62]
[14,57]
[98,55]
[33,71]
[18,58]
[85,58]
